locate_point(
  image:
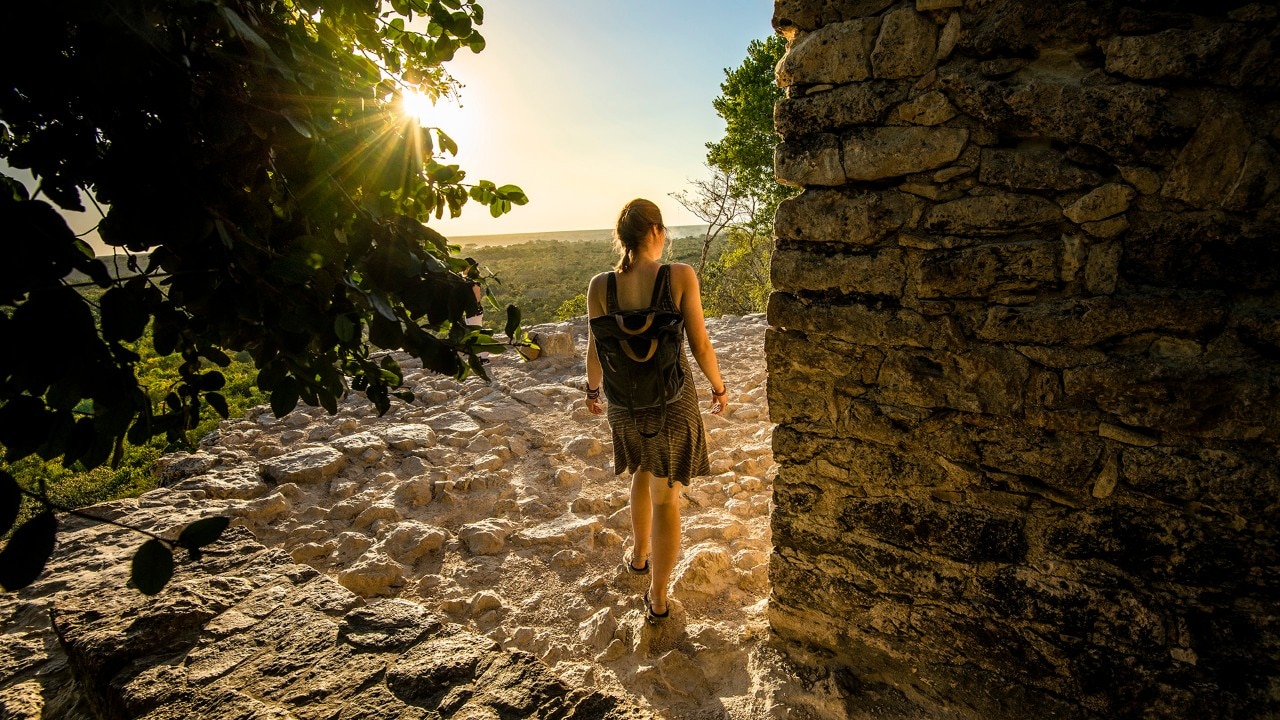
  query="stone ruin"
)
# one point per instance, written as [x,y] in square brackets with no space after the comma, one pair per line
[1024,355]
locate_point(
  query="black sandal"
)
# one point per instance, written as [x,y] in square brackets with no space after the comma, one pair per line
[651,616]
[632,569]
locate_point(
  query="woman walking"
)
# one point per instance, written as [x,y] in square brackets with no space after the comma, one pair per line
[678,451]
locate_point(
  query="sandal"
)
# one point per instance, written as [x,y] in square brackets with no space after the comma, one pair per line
[632,569]
[651,616]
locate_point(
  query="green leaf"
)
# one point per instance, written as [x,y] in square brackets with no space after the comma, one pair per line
[345,329]
[28,550]
[10,501]
[217,402]
[203,531]
[284,397]
[513,320]
[212,380]
[476,42]
[448,145]
[152,567]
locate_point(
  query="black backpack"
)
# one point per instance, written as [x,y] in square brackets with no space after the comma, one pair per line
[640,353]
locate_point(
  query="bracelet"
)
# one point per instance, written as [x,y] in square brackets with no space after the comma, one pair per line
[593,394]
[722,393]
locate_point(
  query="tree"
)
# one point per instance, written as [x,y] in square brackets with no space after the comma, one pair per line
[748,95]
[743,194]
[267,193]
[717,203]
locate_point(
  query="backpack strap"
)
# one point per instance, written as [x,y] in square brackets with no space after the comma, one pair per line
[659,285]
[611,294]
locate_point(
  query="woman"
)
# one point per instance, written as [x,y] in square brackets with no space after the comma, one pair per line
[679,451]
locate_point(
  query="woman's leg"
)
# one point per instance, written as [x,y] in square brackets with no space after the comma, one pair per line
[641,517]
[666,539]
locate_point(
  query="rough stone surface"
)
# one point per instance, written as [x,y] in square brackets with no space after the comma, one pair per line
[384,588]
[1022,361]
[836,54]
[254,636]
[309,465]
[887,152]
[905,46]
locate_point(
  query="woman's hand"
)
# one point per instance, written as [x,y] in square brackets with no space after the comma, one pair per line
[595,406]
[593,401]
[719,400]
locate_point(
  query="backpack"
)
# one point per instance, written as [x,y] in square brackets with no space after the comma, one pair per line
[640,353]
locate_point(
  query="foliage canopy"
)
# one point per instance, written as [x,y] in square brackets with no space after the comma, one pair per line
[269,197]
[743,194]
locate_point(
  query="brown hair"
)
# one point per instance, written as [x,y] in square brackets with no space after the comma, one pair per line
[634,222]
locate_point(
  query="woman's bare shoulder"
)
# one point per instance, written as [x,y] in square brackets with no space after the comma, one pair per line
[683,273]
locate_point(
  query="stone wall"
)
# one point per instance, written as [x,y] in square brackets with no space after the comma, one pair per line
[1025,356]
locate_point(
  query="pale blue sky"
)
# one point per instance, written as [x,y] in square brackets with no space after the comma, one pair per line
[586,104]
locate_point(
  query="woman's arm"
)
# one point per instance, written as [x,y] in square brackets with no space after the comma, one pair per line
[689,297]
[595,373]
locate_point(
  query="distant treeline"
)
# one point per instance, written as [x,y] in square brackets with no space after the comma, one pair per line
[541,276]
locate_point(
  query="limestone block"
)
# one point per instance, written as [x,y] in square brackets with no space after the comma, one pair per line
[1100,203]
[1222,166]
[598,630]
[553,344]
[1033,169]
[713,527]
[373,574]
[984,379]
[906,46]
[381,513]
[412,436]
[485,537]
[565,531]
[838,53]
[409,540]
[813,160]
[991,214]
[968,534]
[351,545]
[705,570]
[790,16]
[988,269]
[309,465]
[831,216]
[1088,321]
[454,423]
[266,508]
[236,482]
[1102,269]
[505,411]
[1218,52]
[1109,228]
[584,446]
[885,152]
[873,273]
[355,445]
[931,108]
[1145,180]
[949,35]
[174,467]
[839,107]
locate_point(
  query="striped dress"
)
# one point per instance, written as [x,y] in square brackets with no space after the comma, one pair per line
[679,452]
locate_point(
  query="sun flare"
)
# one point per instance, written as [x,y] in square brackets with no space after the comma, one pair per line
[417,106]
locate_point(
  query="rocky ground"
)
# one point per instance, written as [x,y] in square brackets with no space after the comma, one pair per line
[494,505]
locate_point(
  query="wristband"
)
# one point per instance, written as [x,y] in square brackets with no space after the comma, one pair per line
[722,393]
[593,394]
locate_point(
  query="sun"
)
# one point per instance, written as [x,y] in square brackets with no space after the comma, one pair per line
[417,107]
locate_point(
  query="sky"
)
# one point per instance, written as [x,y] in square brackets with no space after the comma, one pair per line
[586,104]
